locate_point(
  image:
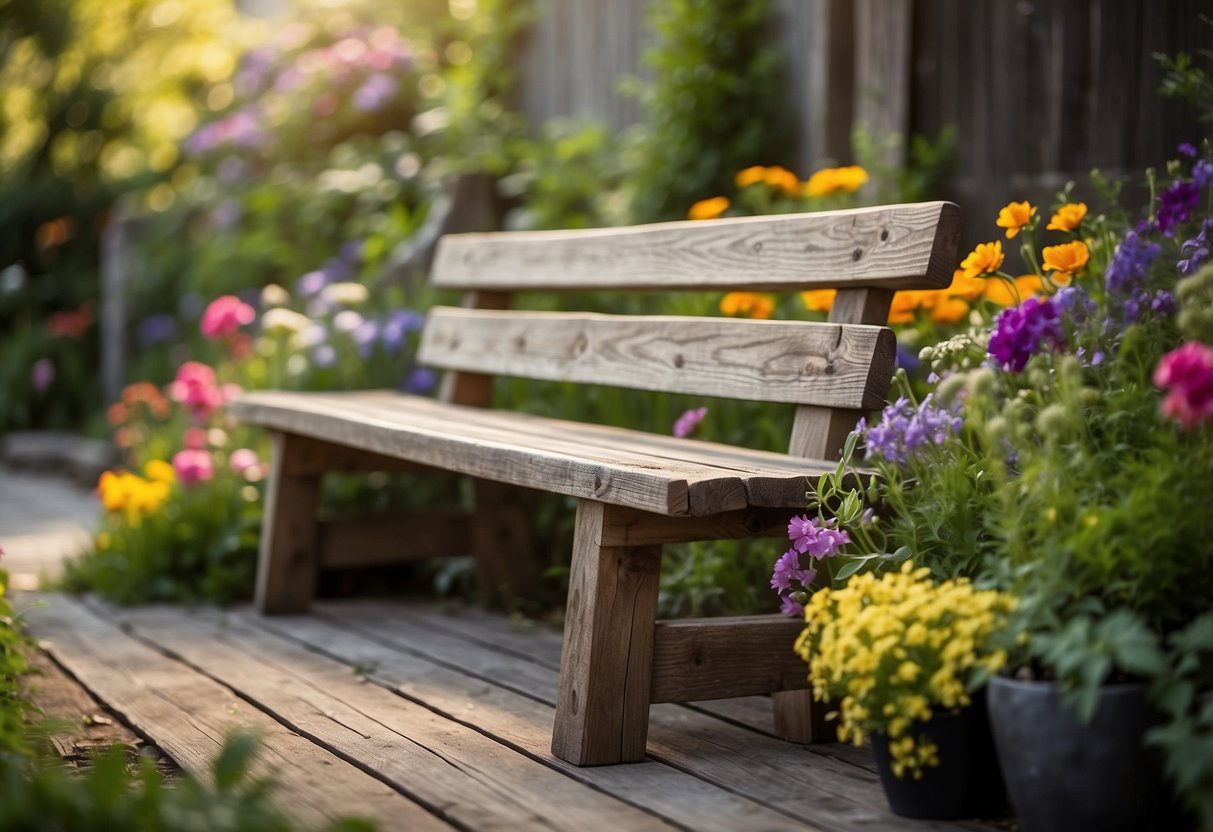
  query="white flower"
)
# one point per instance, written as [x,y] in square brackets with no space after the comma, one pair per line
[347,320]
[284,320]
[314,335]
[344,294]
[274,295]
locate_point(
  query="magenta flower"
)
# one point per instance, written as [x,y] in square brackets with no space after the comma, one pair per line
[244,461]
[1188,373]
[787,569]
[193,466]
[816,539]
[225,316]
[196,387]
[790,607]
[1022,331]
[685,425]
[42,374]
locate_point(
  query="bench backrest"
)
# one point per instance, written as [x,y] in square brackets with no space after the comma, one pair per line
[833,371]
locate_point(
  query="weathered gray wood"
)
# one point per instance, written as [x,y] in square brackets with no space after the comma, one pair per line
[894,247]
[188,715]
[720,658]
[775,361]
[801,782]
[882,72]
[287,564]
[356,541]
[640,528]
[504,447]
[473,389]
[474,781]
[507,564]
[316,457]
[602,710]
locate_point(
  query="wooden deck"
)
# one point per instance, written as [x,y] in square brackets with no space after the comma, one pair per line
[425,720]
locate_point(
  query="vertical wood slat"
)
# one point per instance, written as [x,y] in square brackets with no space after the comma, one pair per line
[288,561]
[602,707]
[882,70]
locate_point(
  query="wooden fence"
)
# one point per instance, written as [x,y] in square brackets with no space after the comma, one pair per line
[1039,91]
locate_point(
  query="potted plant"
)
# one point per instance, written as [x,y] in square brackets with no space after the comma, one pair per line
[903,655]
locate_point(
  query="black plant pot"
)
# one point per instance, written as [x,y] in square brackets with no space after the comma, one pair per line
[1064,775]
[967,782]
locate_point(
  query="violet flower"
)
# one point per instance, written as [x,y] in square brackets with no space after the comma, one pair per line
[1022,331]
[904,429]
[685,424]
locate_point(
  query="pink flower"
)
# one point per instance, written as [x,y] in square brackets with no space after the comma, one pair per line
[195,438]
[820,541]
[193,466]
[196,388]
[244,462]
[687,422]
[225,316]
[1188,372]
[42,374]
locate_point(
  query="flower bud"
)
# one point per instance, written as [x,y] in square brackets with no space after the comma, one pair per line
[1053,420]
[1089,396]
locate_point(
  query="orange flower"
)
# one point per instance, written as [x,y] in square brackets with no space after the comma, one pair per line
[116,414]
[830,180]
[1068,217]
[709,209]
[965,287]
[906,303]
[750,176]
[1066,259]
[819,300]
[1014,216]
[783,179]
[949,310]
[985,259]
[1025,285]
[747,304]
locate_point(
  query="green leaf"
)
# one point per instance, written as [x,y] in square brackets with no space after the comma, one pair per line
[849,568]
[234,760]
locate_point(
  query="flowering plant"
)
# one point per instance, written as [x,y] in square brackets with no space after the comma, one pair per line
[893,648]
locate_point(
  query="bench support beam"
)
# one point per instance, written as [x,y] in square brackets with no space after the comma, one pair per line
[288,562]
[602,708]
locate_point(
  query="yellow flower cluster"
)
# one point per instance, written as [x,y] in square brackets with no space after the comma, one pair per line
[133,495]
[832,180]
[709,209]
[748,305]
[892,648]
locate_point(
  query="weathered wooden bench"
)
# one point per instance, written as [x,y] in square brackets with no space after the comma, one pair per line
[635,491]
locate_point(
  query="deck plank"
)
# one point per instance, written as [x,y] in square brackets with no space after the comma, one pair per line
[475,781]
[787,777]
[188,715]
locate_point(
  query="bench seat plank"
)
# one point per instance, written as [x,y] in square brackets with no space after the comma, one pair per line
[653,473]
[797,362]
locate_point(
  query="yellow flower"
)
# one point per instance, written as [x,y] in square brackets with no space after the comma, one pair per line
[783,179]
[115,488]
[985,259]
[1066,259]
[907,302]
[750,176]
[1025,285]
[965,287]
[1014,216]
[1068,217]
[160,471]
[709,209]
[747,304]
[819,300]
[830,180]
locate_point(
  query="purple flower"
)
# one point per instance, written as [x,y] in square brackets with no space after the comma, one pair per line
[156,329]
[819,540]
[365,337]
[1187,150]
[1130,263]
[907,359]
[324,355]
[1175,205]
[791,607]
[375,92]
[1022,331]
[903,429]
[1202,173]
[1195,250]
[787,569]
[42,374]
[420,380]
[685,424]
[399,323]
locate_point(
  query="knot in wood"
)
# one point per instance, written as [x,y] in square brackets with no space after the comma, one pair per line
[884,234]
[679,361]
[520,343]
[580,345]
[757,247]
[856,254]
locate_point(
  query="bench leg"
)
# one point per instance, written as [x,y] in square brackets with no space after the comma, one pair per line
[799,719]
[287,566]
[503,544]
[602,709]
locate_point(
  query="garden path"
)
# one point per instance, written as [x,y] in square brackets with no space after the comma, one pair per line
[422,717]
[44,519]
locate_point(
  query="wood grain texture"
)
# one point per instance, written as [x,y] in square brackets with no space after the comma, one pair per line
[894,247]
[612,465]
[641,528]
[602,709]
[187,715]
[316,457]
[428,667]
[356,541]
[466,388]
[503,541]
[456,772]
[775,361]
[287,563]
[720,658]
